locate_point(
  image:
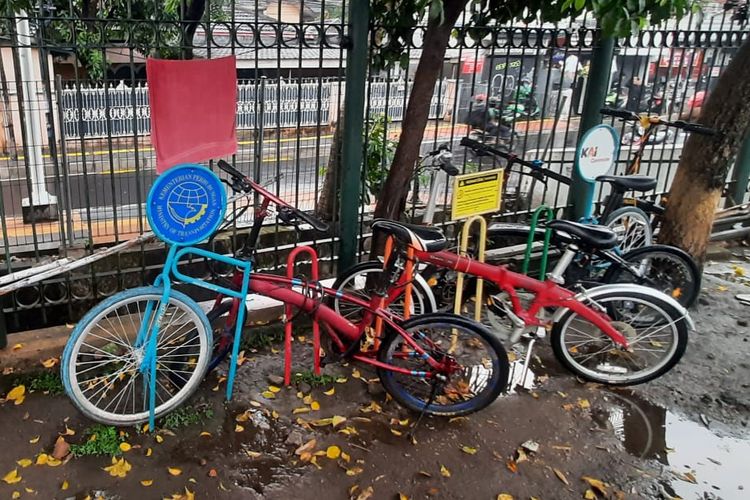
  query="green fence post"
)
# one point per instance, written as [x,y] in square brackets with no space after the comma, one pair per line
[596,94]
[3,329]
[741,175]
[354,104]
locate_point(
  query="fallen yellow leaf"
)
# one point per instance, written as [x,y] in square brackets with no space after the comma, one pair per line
[356,374]
[42,459]
[64,485]
[268,395]
[504,496]
[34,440]
[17,346]
[12,477]
[158,438]
[401,496]
[345,456]
[148,452]
[125,447]
[337,419]
[253,454]
[341,380]
[17,394]
[147,482]
[49,363]
[354,471]
[68,432]
[119,468]
[205,434]
[274,389]
[333,452]
[307,400]
[596,484]
[24,462]
[584,404]
[53,462]
[330,392]
[315,406]
[396,432]
[739,271]
[589,495]
[174,471]
[561,476]
[444,471]
[15,494]
[238,428]
[468,450]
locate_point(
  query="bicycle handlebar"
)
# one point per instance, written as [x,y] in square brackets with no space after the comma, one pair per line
[536,166]
[247,185]
[680,124]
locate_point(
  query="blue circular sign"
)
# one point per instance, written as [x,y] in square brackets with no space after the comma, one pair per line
[186,204]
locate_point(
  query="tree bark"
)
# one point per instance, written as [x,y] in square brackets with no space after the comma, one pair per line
[701,174]
[324,207]
[396,187]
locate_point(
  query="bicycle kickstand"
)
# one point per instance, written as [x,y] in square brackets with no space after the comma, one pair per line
[433,392]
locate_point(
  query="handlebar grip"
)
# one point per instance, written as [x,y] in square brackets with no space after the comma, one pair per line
[226,167]
[449,168]
[619,113]
[696,128]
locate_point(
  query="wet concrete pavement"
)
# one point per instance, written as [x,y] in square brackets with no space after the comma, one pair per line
[681,435]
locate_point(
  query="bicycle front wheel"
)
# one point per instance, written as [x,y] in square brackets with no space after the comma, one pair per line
[632,226]
[662,267]
[657,334]
[479,364]
[102,361]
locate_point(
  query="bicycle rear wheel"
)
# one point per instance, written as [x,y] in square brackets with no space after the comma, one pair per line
[662,267]
[101,364]
[480,362]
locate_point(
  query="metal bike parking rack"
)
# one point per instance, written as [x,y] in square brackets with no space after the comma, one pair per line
[549,216]
[463,247]
[288,313]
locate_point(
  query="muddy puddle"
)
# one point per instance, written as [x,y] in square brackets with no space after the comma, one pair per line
[700,462]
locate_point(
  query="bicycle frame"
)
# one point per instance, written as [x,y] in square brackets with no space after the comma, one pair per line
[546,293]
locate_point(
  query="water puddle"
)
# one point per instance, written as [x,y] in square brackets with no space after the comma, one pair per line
[717,464]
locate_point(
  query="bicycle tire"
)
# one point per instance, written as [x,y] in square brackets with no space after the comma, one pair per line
[198,360]
[630,237]
[685,290]
[423,298]
[495,382]
[605,373]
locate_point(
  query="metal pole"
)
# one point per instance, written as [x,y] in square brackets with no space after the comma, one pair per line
[39,195]
[596,94]
[741,175]
[354,99]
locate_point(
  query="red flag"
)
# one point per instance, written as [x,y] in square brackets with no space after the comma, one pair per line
[193,109]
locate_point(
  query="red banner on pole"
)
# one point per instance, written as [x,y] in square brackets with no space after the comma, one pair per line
[193,109]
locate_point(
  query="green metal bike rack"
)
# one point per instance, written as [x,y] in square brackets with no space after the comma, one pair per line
[549,216]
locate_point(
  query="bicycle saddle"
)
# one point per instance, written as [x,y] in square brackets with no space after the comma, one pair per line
[639,183]
[423,238]
[600,237]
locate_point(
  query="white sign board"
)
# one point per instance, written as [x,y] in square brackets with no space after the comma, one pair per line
[597,152]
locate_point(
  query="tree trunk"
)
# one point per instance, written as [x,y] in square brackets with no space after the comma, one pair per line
[324,207]
[396,187]
[192,11]
[701,174]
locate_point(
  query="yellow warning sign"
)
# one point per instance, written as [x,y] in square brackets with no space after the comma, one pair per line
[475,194]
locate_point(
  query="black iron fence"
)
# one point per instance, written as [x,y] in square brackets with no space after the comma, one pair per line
[76,163]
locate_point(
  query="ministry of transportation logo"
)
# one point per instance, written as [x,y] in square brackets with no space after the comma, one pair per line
[186,204]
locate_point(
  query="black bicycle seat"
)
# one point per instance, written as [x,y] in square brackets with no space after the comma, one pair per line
[424,238]
[623,183]
[600,237]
